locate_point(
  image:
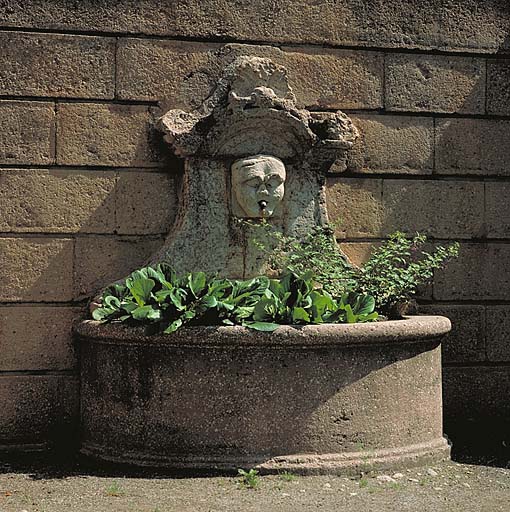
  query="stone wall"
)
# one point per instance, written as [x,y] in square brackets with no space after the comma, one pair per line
[88,190]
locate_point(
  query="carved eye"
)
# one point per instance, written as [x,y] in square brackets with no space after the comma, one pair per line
[254,183]
[274,183]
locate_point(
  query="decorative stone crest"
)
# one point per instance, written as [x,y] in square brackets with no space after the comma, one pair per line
[249,153]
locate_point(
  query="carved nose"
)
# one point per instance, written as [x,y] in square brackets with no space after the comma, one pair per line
[263,205]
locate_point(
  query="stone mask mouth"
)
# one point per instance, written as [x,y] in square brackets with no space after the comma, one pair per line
[262,205]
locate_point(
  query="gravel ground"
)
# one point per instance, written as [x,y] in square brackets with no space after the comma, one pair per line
[450,486]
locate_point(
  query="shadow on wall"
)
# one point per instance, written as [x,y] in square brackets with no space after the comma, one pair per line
[477,411]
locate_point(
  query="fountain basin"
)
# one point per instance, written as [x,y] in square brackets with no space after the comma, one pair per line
[313,399]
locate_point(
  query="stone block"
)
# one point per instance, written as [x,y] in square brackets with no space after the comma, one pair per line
[36,270]
[393,144]
[109,135]
[498,87]
[473,146]
[180,74]
[37,409]
[466,341]
[446,25]
[441,209]
[355,206]
[498,333]
[497,209]
[56,65]
[184,74]
[37,338]
[357,252]
[59,201]
[435,83]
[28,132]
[324,78]
[146,203]
[102,260]
[482,271]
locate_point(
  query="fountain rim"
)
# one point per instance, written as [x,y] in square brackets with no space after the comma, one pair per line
[410,329]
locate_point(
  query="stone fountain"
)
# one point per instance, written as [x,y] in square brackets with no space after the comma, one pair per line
[306,399]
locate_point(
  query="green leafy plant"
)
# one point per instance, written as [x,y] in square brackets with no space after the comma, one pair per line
[317,252]
[397,268]
[391,276]
[158,297]
[287,476]
[114,490]
[249,479]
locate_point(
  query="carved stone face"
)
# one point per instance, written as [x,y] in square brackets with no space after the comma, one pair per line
[257,185]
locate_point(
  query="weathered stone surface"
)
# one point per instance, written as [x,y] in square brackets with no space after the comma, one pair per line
[102,260]
[37,200]
[466,341]
[482,271]
[37,409]
[473,146]
[146,203]
[476,408]
[355,206]
[28,132]
[393,144]
[442,209]
[183,74]
[37,337]
[374,384]
[452,24]
[498,333]
[497,209]
[101,134]
[252,116]
[36,269]
[56,65]
[357,252]
[179,73]
[434,83]
[498,87]
[322,78]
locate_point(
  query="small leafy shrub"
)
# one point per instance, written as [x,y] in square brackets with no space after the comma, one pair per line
[158,297]
[249,479]
[391,276]
[397,268]
[317,253]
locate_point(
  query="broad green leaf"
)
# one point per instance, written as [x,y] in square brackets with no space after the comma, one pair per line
[163,295]
[368,318]
[262,326]
[366,305]
[117,290]
[102,314]
[197,282]
[300,315]
[209,301]
[111,302]
[351,317]
[141,289]
[188,315]
[128,307]
[173,326]
[146,313]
